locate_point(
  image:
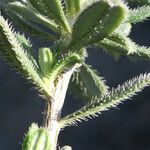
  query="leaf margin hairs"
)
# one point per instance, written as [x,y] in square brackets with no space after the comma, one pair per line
[125,46]
[138,14]
[41,7]
[105,24]
[36,137]
[79,22]
[20,57]
[55,7]
[28,12]
[28,27]
[86,83]
[72,7]
[143,2]
[112,99]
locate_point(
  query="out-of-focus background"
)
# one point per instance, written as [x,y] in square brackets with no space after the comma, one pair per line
[125,128]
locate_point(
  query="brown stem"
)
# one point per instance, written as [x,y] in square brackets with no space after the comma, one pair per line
[47,113]
[51,124]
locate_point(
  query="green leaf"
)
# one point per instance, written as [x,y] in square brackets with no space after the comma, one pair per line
[45,60]
[42,8]
[31,14]
[143,52]
[112,99]
[56,8]
[95,23]
[118,44]
[112,47]
[66,148]
[36,139]
[143,2]
[12,50]
[28,137]
[88,20]
[87,84]
[84,4]
[64,64]
[111,21]
[139,14]
[28,47]
[83,53]
[73,6]
[29,27]
[25,43]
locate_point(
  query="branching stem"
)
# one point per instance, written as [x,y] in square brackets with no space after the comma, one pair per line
[54,106]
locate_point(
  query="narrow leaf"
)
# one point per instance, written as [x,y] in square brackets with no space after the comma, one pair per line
[87,84]
[31,14]
[143,2]
[142,52]
[36,139]
[14,53]
[111,21]
[112,99]
[45,60]
[26,44]
[118,44]
[113,48]
[95,23]
[27,26]
[41,7]
[64,64]
[139,14]
[73,7]
[120,40]
[55,7]
[88,20]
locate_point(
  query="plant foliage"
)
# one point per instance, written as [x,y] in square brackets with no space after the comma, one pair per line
[72,26]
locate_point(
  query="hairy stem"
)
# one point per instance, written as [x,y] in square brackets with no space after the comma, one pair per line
[51,124]
[54,106]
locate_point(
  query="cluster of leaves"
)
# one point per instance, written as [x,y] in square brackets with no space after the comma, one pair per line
[73,26]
